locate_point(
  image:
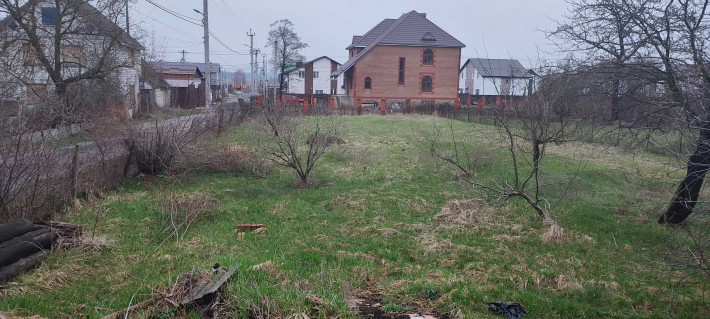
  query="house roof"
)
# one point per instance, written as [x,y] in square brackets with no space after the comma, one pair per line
[499,68]
[289,71]
[364,40]
[103,24]
[411,29]
[184,67]
[151,76]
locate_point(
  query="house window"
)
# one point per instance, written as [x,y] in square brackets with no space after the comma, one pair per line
[49,15]
[428,57]
[427,84]
[316,74]
[368,83]
[71,54]
[301,74]
[30,55]
[36,93]
[401,71]
[319,91]
[131,58]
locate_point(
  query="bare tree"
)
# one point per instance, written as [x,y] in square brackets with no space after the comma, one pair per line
[671,37]
[526,127]
[60,46]
[298,142]
[288,46]
[602,30]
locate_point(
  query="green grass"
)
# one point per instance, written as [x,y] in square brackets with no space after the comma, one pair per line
[370,226]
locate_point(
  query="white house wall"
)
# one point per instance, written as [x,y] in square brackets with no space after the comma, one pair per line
[322,83]
[296,84]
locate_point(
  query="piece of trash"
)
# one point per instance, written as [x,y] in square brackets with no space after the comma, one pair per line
[248,227]
[512,310]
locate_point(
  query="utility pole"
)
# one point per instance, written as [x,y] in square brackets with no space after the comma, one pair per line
[251,54]
[183,56]
[277,83]
[256,71]
[263,75]
[128,21]
[208,75]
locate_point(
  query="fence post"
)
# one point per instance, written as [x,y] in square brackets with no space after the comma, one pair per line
[74,170]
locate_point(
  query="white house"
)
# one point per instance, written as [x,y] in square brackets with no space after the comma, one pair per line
[92,48]
[495,77]
[313,78]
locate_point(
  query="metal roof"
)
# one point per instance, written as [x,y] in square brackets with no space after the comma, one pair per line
[499,68]
[411,29]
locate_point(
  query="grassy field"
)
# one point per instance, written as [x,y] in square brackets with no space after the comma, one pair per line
[389,224]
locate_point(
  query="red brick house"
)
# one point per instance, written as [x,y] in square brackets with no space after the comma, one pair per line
[409,59]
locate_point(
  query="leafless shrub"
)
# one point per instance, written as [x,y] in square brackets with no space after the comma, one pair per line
[298,142]
[154,147]
[526,126]
[33,172]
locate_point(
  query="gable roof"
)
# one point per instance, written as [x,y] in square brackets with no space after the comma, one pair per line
[103,24]
[289,71]
[411,29]
[499,68]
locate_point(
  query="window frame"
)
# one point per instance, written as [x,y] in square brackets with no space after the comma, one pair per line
[401,71]
[430,86]
[368,83]
[50,16]
[430,56]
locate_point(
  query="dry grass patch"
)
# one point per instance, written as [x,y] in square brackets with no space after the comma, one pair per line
[557,234]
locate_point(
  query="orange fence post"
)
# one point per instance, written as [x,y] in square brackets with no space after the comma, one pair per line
[457,105]
[383,106]
[331,102]
[278,103]
[358,106]
[305,106]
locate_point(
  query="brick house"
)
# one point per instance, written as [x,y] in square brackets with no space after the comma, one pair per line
[409,59]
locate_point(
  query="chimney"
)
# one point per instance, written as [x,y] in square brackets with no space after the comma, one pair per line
[423,15]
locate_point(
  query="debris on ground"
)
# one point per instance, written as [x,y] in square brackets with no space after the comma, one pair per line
[199,291]
[249,228]
[512,310]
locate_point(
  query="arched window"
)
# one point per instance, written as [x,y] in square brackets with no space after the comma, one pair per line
[368,83]
[427,84]
[428,57]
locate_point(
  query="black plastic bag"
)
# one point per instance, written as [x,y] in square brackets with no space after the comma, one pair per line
[513,310]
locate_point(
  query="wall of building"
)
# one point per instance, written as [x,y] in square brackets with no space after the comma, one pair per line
[473,83]
[381,64]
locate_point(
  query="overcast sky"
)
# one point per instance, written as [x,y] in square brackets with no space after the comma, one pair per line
[489,28]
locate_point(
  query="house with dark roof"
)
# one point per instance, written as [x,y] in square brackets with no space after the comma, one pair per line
[409,58]
[312,79]
[495,77]
[186,80]
[92,48]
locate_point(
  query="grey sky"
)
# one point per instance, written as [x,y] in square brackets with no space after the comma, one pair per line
[489,28]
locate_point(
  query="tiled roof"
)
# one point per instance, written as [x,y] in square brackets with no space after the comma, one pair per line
[509,68]
[411,29]
[365,40]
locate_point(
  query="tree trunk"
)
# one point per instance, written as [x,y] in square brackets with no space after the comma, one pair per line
[21,266]
[16,228]
[683,203]
[25,245]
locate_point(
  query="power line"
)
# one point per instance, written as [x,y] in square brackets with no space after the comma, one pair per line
[175,14]
[224,45]
[231,15]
